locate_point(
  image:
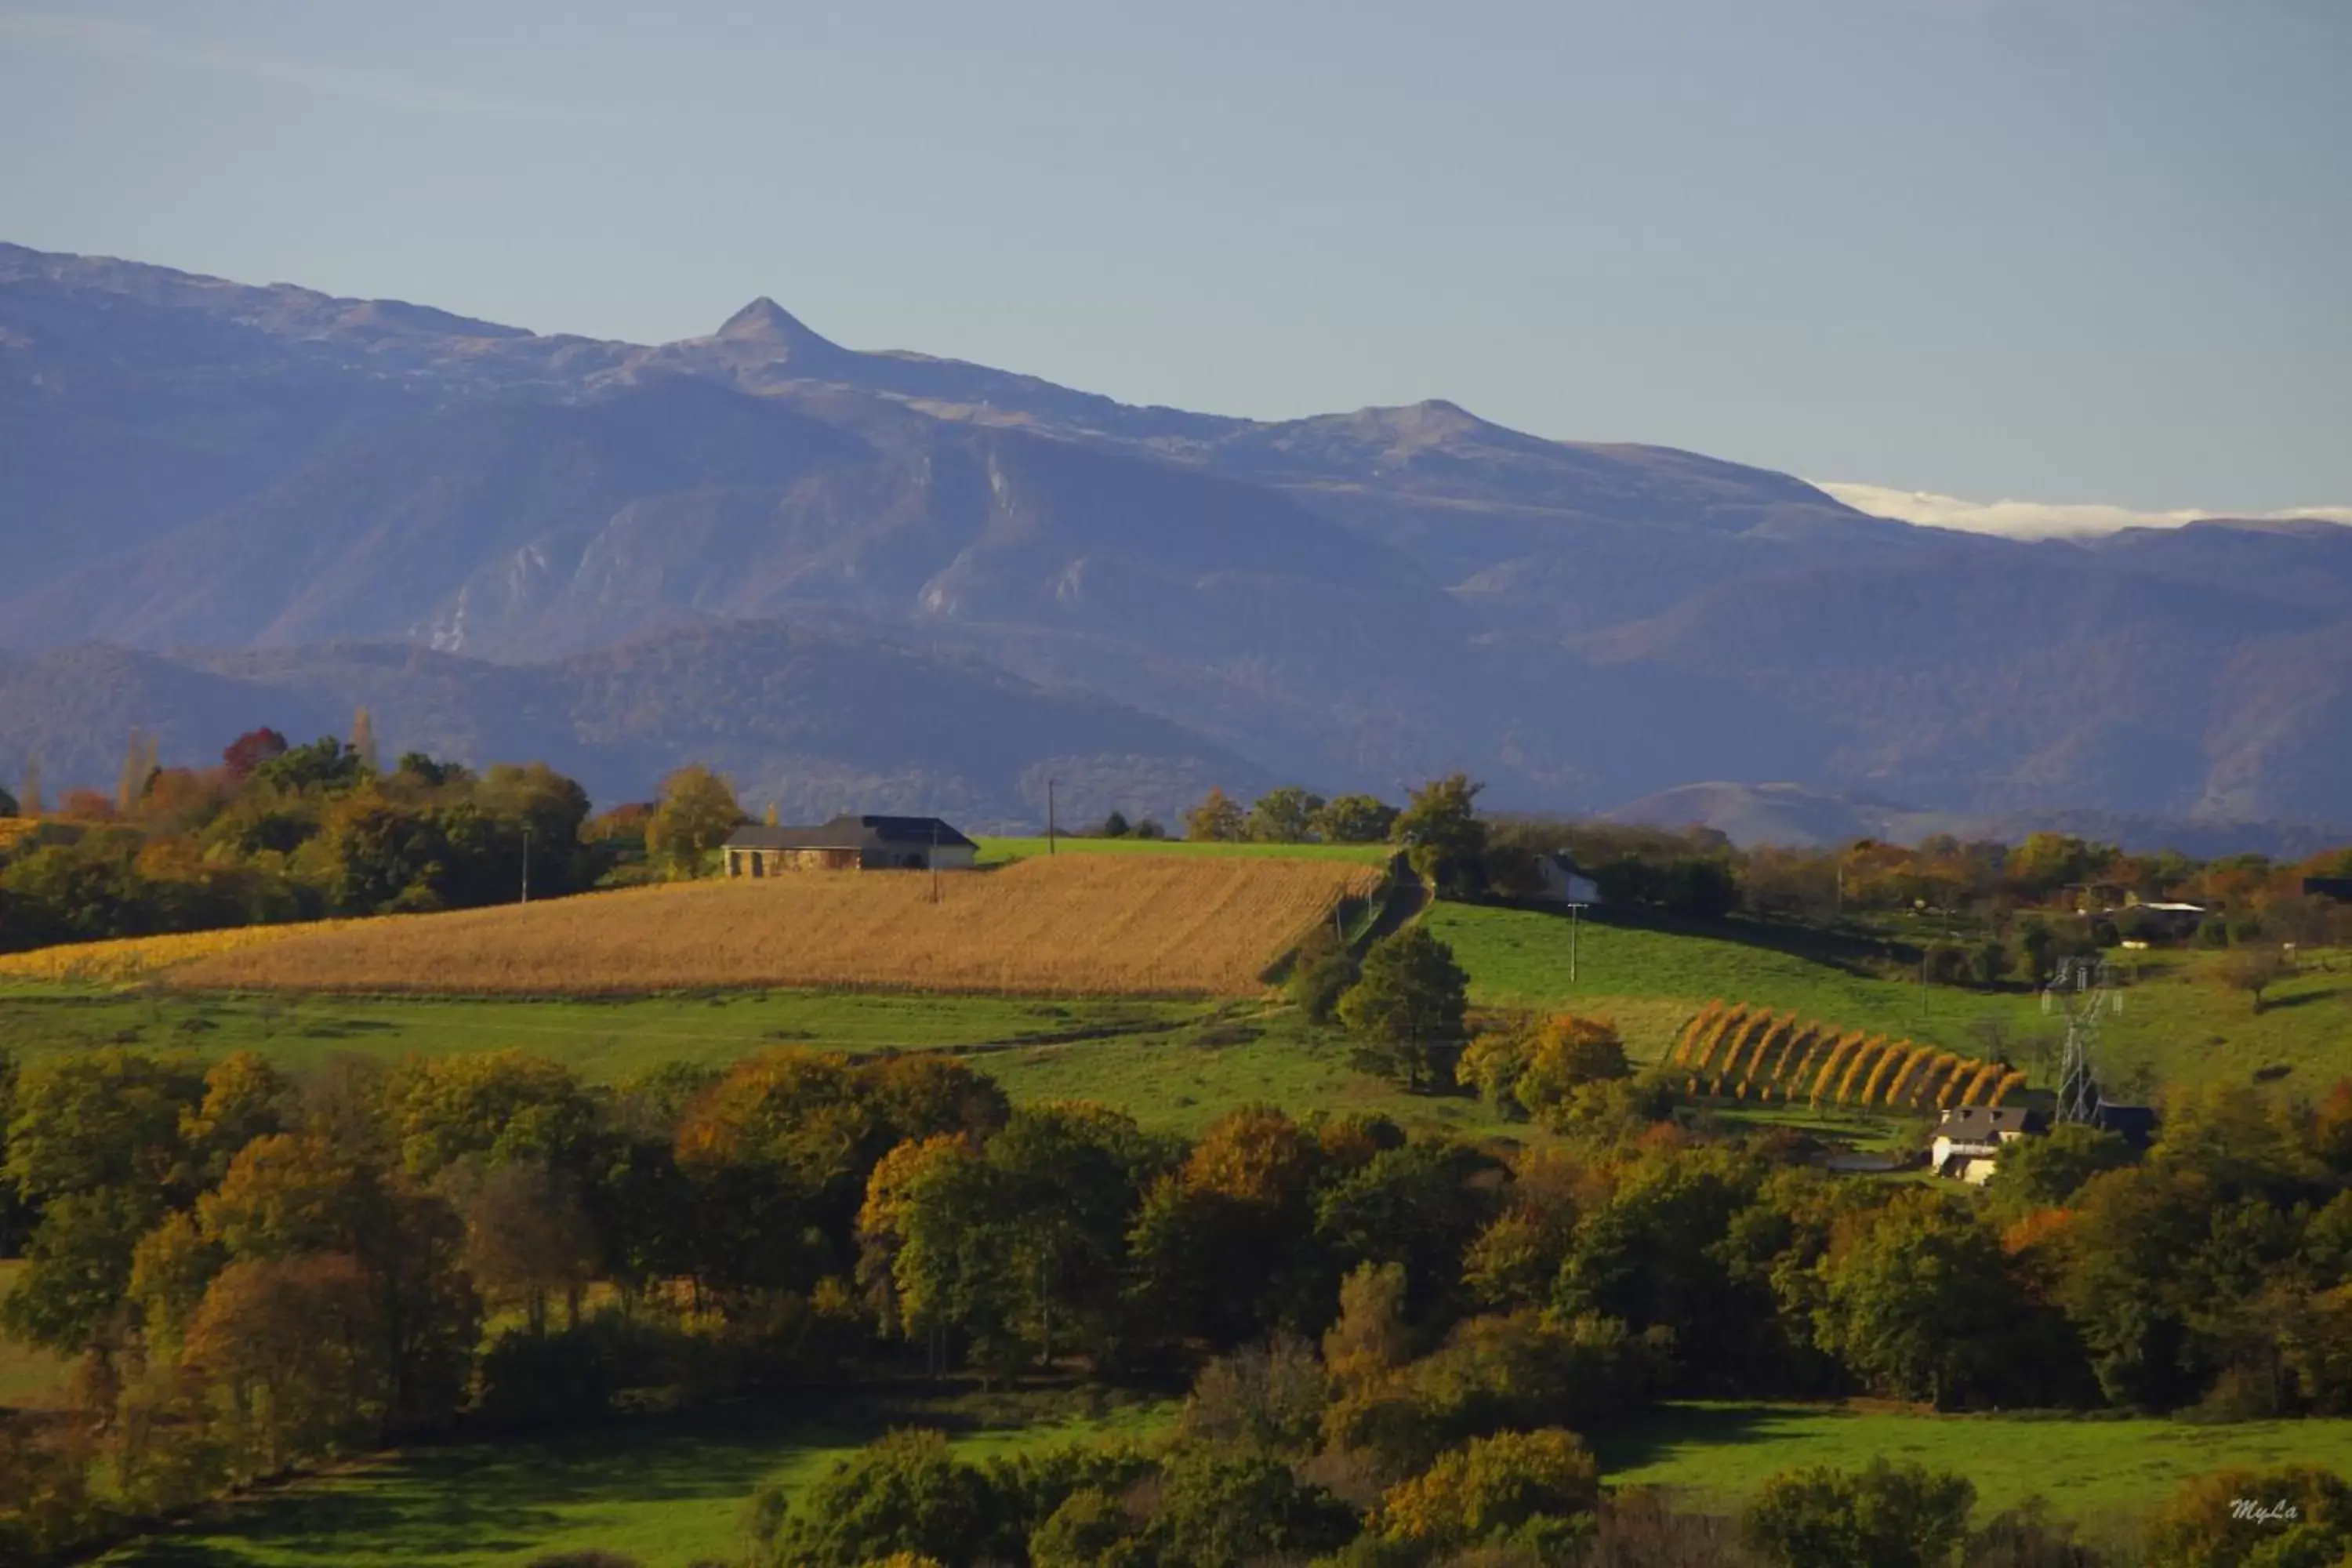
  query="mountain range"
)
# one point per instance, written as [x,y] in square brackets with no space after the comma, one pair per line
[896,581]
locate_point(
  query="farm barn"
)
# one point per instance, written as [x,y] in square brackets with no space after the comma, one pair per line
[850,844]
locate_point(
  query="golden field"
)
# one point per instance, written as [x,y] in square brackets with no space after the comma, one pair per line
[1064,925]
[138,957]
[11,829]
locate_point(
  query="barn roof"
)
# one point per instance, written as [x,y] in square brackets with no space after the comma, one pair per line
[853,833]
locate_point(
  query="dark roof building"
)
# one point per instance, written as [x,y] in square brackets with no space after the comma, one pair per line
[855,833]
[850,844]
[1987,1123]
[2135,1124]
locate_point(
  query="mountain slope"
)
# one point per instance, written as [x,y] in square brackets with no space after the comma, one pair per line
[815,722]
[1351,600]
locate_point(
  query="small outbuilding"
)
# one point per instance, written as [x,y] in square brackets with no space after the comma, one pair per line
[850,844]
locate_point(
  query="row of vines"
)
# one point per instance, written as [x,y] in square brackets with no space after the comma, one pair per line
[1742,1052]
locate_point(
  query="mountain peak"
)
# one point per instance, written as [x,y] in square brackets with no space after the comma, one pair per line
[765,321]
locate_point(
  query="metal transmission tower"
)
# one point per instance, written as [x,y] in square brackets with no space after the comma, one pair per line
[2083,989]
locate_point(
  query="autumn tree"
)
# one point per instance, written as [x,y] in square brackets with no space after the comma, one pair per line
[695,813]
[2308,1517]
[363,741]
[250,750]
[1406,1010]
[295,1347]
[1218,819]
[1525,1490]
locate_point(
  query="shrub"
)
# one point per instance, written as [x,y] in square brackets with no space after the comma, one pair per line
[1532,1488]
[1887,1516]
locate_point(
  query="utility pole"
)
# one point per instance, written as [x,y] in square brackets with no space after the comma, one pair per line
[1574,912]
[935,859]
[526,864]
[1049,816]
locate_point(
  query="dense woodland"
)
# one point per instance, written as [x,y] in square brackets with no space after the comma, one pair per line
[1399,1347]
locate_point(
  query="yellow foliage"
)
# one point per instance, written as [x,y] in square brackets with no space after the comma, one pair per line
[1068,925]
[1493,1484]
[136,958]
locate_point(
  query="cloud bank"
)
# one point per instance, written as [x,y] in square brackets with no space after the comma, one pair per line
[2042,520]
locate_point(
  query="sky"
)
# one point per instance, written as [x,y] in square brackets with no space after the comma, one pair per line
[1964,254]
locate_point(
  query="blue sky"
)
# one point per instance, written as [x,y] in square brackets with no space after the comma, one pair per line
[2091,251]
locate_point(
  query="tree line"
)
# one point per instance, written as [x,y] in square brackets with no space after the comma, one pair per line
[255,1273]
[283,832]
[1965,913]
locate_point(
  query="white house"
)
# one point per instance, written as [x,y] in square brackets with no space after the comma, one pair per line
[1969,1139]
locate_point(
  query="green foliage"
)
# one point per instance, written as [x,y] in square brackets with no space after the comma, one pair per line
[1321,970]
[1887,1516]
[2048,1170]
[1405,1010]
[1690,888]
[696,813]
[905,1493]
[1283,815]
[1354,819]
[1920,1304]
[324,766]
[1229,1510]
[1443,833]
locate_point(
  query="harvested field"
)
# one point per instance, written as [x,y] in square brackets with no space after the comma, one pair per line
[133,958]
[1078,925]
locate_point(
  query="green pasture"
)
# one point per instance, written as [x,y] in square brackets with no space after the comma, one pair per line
[1652,980]
[2176,1025]
[1175,1065]
[603,1039]
[1000,851]
[2089,1469]
[667,1491]
[1186,1078]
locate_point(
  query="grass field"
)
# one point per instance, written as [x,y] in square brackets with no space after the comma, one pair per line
[1001,851]
[2089,1469]
[667,1492]
[2175,1027]
[1068,925]
[603,1039]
